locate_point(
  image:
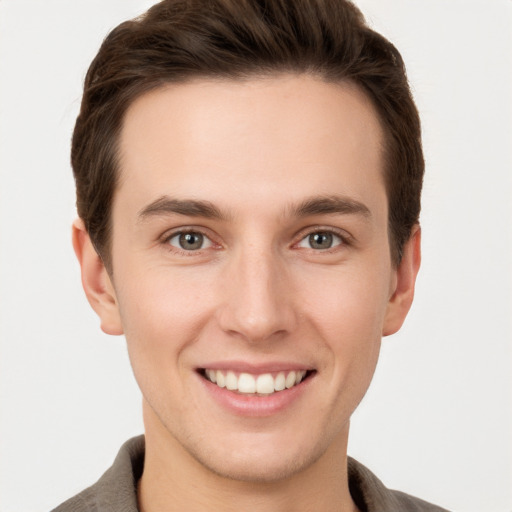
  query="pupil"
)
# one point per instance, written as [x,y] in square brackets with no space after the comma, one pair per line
[320,240]
[191,241]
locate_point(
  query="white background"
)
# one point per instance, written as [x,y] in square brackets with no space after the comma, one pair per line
[437,420]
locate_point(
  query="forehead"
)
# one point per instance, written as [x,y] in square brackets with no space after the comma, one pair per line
[299,133]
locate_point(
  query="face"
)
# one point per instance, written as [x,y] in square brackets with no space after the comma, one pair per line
[251,267]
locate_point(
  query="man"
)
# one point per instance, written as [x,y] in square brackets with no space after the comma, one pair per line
[248,185]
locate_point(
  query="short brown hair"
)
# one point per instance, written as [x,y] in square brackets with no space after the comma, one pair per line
[177,40]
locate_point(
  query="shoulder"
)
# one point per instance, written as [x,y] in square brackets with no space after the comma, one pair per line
[117,488]
[371,495]
[409,503]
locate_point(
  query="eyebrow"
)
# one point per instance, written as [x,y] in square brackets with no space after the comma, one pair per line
[317,205]
[166,205]
[332,204]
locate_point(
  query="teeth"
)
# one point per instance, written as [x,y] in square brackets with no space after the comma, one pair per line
[231,381]
[264,384]
[221,381]
[246,383]
[290,380]
[280,382]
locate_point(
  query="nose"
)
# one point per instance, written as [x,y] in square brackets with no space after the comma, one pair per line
[258,296]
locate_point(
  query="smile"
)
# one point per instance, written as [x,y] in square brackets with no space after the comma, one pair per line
[249,384]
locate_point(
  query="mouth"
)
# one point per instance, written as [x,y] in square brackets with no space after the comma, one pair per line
[263,384]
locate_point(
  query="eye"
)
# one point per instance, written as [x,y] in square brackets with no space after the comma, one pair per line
[320,240]
[189,241]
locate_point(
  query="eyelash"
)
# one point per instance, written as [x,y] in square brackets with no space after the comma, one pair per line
[344,237]
[345,240]
[166,241]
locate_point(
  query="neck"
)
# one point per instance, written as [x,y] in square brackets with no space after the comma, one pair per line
[173,480]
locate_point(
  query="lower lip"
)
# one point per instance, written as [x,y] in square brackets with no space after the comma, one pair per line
[254,405]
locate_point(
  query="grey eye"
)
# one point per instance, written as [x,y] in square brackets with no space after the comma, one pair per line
[190,241]
[320,240]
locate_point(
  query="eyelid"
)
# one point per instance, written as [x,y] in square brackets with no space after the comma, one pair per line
[206,240]
[171,233]
[345,237]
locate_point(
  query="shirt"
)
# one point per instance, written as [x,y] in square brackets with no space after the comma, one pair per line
[116,490]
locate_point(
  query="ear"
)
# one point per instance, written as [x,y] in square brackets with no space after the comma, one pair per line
[96,281]
[404,282]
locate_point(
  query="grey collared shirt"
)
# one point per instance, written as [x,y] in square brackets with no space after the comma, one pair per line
[116,490]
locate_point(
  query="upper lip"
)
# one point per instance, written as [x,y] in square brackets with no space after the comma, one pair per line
[255,368]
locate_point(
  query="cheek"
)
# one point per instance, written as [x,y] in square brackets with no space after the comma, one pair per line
[162,300]
[162,313]
[347,309]
[346,301]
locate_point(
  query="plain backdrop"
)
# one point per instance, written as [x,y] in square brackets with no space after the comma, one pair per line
[437,420]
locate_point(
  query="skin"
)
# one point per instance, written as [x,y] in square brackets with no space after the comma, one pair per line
[257,291]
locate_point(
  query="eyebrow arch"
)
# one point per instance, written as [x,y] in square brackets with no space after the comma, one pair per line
[318,205]
[166,205]
[322,205]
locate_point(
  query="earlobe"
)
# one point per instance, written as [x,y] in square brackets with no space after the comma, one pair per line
[402,296]
[96,281]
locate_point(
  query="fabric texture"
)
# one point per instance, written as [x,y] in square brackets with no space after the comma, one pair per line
[116,490]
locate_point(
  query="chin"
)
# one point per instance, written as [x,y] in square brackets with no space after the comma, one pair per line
[258,464]
[245,470]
